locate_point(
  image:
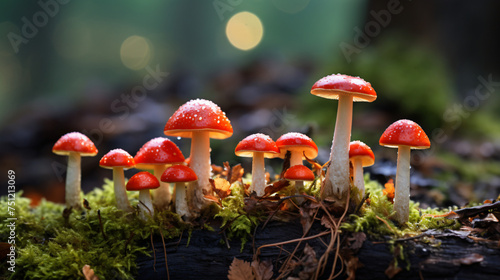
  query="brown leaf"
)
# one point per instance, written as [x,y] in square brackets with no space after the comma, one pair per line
[276,187]
[392,270]
[240,270]
[4,250]
[325,221]
[89,273]
[309,263]
[305,219]
[352,265]
[357,239]
[263,270]
[236,173]
[221,187]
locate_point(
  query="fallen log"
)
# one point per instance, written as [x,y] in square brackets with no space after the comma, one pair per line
[433,255]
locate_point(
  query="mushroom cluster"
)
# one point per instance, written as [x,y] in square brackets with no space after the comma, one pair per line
[202,120]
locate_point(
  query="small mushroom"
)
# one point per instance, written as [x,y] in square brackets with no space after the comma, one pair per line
[74,145]
[118,160]
[199,120]
[257,146]
[143,182]
[361,156]
[156,155]
[180,175]
[299,174]
[404,135]
[299,145]
[346,89]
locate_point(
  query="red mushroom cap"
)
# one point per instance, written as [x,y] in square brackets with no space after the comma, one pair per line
[178,174]
[117,158]
[299,173]
[405,133]
[74,142]
[142,181]
[158,151]
[199,115]
[358,149]
[297,141]
[256,143]
[334,85]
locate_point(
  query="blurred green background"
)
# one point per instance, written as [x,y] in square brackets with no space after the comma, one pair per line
[117,70]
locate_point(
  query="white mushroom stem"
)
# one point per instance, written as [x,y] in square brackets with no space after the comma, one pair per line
[402,188]
[258,174]
[145,204]
[337,175]
[73,181]
[119,187]
[181,205]
[359,179]
[200,163]
[162,195]
[295,158]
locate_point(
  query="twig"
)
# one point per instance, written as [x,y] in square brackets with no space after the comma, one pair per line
[154,251]
[165,253]
[291,241]
[385,222]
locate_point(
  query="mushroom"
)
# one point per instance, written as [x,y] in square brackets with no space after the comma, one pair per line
[299,174]
[361,156]
[180,174]
[258,146]
[346,89]
[199,120]
[156,155]
[299,145]
[118,160]
[143,182]
[404,135]
[74,145]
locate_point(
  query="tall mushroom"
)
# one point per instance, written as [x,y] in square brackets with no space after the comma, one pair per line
[199,120]
[157,154]
[346,89]
[404,135]
[118,160]
[257,146]
[361,156]
[299,145]
[143,182]
[74,145]
[180,175]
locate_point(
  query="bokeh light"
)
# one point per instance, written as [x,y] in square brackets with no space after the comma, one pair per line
[244,30]
[135,52]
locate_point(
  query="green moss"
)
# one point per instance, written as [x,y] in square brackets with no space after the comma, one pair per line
[239,223]
[375,217]
[50,246]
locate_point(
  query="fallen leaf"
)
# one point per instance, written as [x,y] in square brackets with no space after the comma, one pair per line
[89,273]
[357,239]
[263,270]
[240,270]
[352,265]
[389,190]
[392,270]
[325,221]
[4,250]
[309,263]
[276,187]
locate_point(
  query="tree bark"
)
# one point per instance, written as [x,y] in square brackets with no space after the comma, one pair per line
[207,257]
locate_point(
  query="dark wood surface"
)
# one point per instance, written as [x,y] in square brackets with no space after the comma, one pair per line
[207,257]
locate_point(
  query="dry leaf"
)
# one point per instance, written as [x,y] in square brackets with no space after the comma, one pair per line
[325,221]
[263,270]
[357,239]
[309,263]
[89,273]
[276,187]
[352,265]
[4,250]
[392,270]
[240,270]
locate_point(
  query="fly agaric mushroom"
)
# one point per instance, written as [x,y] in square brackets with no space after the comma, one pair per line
[143,182]
[299,145]
[180,175]
[299,174]
[404,135]
[361,156]
[118,160]
[258,146]
[346,89]
[74,145]
[156,155]
[199,120]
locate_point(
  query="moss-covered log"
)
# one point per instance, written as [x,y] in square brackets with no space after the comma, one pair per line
[435,255]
